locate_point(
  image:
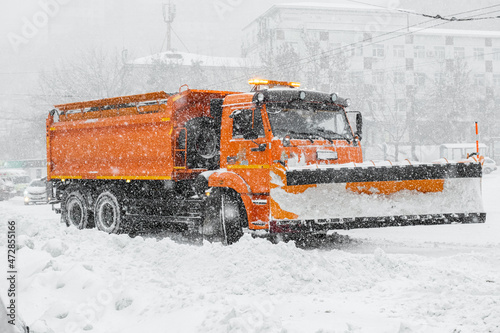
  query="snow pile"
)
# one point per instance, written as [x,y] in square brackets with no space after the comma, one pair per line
[413,279]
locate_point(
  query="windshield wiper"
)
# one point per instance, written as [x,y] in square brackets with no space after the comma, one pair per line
[306,134]
[338,135]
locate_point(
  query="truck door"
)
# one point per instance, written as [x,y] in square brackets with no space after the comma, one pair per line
[248,149]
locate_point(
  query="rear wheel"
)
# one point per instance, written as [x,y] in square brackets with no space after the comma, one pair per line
[224,217]
[108,213]
[75,211]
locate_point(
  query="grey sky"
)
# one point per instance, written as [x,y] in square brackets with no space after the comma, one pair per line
[37,34]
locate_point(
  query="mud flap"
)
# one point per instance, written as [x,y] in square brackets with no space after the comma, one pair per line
[363,197]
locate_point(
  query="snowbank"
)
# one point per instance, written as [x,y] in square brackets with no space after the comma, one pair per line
[412,279]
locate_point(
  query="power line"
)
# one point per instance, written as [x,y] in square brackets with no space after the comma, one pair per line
[175,33]
[437,16]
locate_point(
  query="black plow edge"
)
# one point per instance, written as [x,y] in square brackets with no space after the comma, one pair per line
[293,226]
[383,173]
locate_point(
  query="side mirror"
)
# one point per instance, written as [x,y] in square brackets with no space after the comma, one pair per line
[356,117]
[359,125]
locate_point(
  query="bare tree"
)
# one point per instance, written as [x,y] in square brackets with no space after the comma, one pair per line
[283,64]
[91,74]
[453,102]
[388,111]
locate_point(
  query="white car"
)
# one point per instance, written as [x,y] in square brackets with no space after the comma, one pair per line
[36,192]
[489,165]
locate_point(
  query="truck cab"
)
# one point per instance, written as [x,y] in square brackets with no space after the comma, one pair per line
[273,129]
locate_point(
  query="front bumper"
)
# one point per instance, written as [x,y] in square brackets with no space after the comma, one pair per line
[35,199]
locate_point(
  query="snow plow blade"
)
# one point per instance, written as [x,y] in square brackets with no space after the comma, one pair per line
[347,196]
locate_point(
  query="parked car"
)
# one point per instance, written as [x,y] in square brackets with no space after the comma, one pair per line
[19,177]
[10,187]
[489,165]
[36,192]
[4,190]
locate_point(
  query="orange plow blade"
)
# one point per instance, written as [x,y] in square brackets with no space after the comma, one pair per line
[344,197]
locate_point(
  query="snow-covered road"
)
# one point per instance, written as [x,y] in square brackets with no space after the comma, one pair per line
[411,279]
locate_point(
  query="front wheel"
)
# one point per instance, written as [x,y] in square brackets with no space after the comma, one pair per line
[108,213]
[224,217]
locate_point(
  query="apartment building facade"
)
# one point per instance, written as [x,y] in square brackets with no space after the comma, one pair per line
[394,65]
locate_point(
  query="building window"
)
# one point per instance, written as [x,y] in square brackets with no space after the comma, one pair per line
[439,52]
[496,80]
[280,34]
[419,51]
[398,51]
[409,39]
[367,63]
[449,40]
[438,77]
[488,42]
[400,105]
[479,80]
[489,66]
[419,79]
[378,51]
[478,53]
[409,64]
[399,78]
[367,37]
[324,36]
[496,54]
[356,51]
[357,78]
[378,77]
[459,52]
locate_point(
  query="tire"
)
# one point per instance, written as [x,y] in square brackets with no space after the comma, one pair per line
[224,217]
[203,144]
[75,211]
[487,171]
[108,213]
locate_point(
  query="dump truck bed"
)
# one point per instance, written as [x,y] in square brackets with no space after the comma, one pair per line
[129,137]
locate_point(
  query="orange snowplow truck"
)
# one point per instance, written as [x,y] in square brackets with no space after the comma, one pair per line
[276,160]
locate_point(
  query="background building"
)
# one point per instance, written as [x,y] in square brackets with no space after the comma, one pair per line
[415,82]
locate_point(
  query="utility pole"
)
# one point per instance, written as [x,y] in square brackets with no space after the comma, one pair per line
[168,17]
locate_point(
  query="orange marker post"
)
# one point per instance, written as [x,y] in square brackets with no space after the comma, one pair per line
[477,140]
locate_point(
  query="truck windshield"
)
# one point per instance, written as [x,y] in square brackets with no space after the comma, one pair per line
[309,122]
